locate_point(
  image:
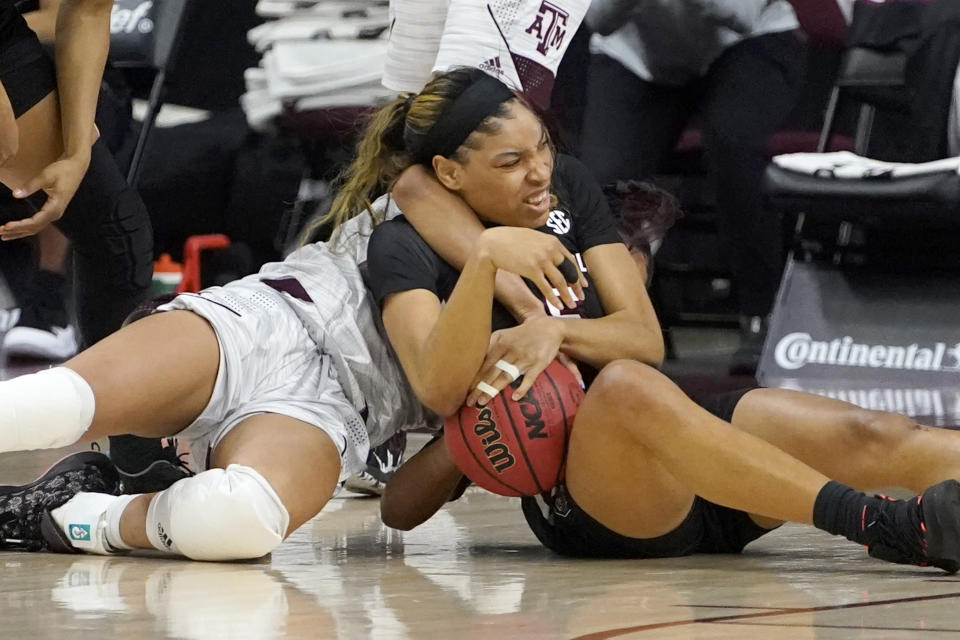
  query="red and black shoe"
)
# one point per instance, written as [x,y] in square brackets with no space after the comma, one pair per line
[922,531]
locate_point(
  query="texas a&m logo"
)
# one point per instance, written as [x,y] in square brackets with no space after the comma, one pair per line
[549,27]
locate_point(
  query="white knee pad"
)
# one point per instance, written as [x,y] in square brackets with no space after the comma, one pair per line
[220,514]
[51,408]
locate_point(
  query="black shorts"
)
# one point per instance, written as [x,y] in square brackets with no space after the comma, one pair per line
[27,73]
[563,527]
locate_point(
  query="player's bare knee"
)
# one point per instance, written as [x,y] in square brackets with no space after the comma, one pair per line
[878,431]
[618,380]
[626,382]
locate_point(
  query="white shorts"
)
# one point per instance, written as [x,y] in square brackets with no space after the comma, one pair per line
[268,364]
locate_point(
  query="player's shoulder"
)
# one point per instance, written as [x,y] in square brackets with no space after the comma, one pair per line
[570,173]
[395,234]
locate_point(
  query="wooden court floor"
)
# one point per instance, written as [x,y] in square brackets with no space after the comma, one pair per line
[473,572]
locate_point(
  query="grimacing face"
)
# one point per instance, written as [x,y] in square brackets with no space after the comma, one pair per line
[507,179]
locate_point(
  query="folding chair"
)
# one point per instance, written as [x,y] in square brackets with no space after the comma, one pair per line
[871,279]
[158,52]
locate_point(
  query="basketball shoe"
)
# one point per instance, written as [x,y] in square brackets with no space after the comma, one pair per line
[923,531]
[25,520]
[382,462]
[168,467]
[43,329]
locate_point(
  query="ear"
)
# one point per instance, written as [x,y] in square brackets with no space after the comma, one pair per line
[448,172]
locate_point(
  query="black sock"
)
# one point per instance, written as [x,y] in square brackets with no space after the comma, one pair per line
[844,511]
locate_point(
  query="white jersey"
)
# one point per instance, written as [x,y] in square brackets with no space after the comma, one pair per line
[519,42]
[345,322]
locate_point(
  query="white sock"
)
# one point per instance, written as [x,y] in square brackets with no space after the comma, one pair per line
[91,522]
[112,519]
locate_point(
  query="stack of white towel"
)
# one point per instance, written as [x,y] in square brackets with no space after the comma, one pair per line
[316,55]
[844,165]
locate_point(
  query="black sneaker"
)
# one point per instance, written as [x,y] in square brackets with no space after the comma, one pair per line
[168,468]
[923,531]
[25,520]
[43,330]
[382,462]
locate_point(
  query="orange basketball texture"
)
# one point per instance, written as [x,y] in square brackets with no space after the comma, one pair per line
[517,448]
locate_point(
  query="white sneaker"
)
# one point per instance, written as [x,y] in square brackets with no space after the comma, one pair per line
[51,343]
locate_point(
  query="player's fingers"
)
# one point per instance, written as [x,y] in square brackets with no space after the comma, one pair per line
[560,285]
[548,292]
[34,184]
[581,279]
[571,365]
[577,290]
[14,236]
[26,227]
[486,390]
[529,377]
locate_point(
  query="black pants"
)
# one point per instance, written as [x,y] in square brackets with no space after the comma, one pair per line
[562,526]
[630,124]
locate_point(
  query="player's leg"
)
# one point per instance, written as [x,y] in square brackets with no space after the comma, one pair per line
[151,378]
[271,474]
[637,407]
[864,449]
[644,411]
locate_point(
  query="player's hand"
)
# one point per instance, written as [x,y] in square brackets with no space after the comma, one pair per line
[529,347]
[59,181]
[538,257]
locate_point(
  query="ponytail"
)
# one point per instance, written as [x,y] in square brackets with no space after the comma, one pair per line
[379,160]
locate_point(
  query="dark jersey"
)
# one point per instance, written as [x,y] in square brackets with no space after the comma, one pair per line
[398,259]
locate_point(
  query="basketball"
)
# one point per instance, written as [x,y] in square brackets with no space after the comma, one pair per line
[517,448]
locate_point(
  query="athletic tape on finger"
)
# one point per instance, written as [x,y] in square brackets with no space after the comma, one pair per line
[569,271]
[508,368]
[483,387]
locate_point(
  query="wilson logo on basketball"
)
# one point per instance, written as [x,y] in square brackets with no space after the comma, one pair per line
[497,453]
[549,27]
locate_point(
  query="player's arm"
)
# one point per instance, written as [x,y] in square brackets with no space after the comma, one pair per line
[82,37]
[420,487]
[630,328]
[451,228]
[441,347]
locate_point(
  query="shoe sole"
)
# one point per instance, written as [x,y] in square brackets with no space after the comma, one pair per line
[940,505]
[69,463]
[361,485]
[27,342]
